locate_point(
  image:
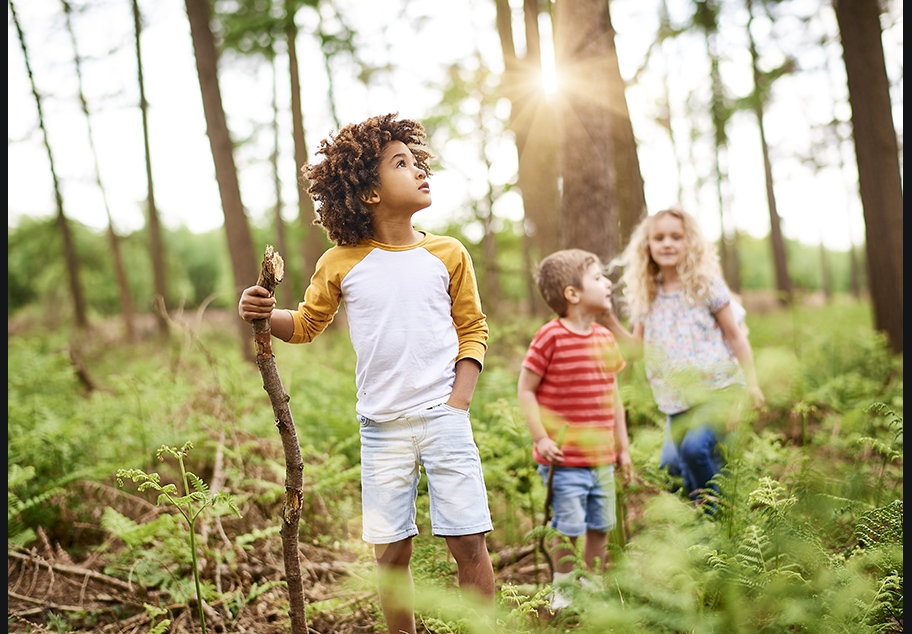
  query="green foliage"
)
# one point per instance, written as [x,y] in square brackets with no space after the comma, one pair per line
[807,536]
[190,505]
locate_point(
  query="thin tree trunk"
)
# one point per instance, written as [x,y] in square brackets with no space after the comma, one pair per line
[706,18]
[631,197]
[312,246]
[780,258]
[156,245]
[71,261]
[877,154]
[277,179]
[120,272]
[240,242]
[271,273]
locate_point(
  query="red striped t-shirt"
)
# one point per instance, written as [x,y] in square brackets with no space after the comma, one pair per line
[579,381]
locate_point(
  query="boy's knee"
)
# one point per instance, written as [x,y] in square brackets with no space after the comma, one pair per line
[468,548]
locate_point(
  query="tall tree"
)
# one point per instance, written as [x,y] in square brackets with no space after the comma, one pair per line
[314,244]
[877,154]
[71,260]
[156,244]
[588,199]
[120,272]
[237,229]
[534,126]
[706,18]
[759,97]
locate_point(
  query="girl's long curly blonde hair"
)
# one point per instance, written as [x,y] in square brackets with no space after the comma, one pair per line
[641,279]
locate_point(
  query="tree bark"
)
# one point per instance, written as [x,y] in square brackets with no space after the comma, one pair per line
[589,200]
[120,272]
[780,258]
[312,246]
[71,260]
[271,273]
[156,245]
[240,242]
[877,154]
[534,125]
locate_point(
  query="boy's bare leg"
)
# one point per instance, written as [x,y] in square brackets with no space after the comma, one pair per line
[596,547]
[473,563]
[561,556]
[397,591]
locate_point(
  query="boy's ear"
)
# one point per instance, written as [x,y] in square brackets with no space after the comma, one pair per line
[571,294]
[371,197]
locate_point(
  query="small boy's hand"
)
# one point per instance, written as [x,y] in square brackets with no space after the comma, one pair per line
[549,450]
[626,468]
[256,303]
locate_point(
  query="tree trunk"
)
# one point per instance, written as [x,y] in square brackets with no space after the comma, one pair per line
[706,18]
[120,272]
[631,197]
[877,155]
[313,245]
[780,259]
[156,246]
[277,184]
[71,261]
[271,273]
[240,242]
[589,200]
[534,125]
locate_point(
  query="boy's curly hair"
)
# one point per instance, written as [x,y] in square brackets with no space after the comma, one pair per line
[348,170]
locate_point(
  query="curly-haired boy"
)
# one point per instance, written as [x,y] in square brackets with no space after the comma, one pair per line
[418,330]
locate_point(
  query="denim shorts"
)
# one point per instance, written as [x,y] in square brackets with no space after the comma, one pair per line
[439,439]
[583,500]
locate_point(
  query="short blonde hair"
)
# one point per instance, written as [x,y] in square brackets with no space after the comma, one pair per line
[558,271]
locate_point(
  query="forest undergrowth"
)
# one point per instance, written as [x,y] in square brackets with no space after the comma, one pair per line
[807,536]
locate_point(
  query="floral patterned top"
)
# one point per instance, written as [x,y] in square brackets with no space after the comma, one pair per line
[686,355]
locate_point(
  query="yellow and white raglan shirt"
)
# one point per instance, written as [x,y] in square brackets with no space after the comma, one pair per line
[413,312]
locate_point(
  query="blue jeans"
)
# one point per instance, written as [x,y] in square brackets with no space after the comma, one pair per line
[691,445]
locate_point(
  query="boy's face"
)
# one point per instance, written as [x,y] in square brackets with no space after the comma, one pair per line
[595,294]
[403,185]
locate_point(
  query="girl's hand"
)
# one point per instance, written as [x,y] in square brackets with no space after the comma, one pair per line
[256,303]
[549,450]
[756,397]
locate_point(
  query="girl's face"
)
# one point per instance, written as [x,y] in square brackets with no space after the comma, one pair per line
[667,242]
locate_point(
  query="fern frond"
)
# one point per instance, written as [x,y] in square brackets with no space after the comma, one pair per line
[881,527]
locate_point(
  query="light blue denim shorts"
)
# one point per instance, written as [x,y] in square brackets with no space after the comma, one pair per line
[439,439]
[584,499]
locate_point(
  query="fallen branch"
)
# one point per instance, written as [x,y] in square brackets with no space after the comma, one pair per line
[271,273]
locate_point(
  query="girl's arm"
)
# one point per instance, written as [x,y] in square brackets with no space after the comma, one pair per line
[622,441]
[631,343]
[528,405]
[736,338]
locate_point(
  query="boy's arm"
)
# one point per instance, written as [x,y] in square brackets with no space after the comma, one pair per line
[528,405]
[622,440]
[736,338]
[467,371]
[257,303]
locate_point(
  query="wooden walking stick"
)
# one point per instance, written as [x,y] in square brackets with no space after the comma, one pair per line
[271,273]
[549,496]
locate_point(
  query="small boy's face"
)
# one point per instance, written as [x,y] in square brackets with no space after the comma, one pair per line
[403,184]
[595,294]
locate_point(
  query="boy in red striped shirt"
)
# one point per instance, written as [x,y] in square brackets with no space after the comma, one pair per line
[568,387]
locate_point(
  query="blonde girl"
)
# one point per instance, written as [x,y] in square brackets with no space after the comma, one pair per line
[683,322]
